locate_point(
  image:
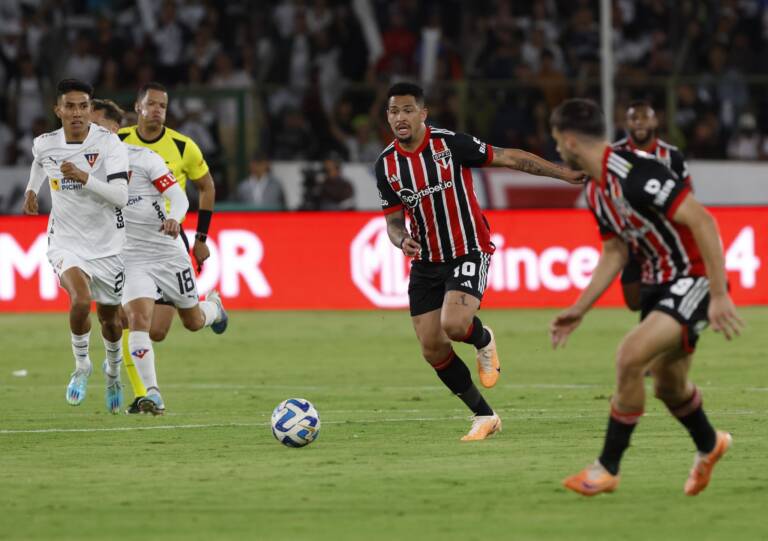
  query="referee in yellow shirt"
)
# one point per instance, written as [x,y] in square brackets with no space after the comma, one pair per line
[184,159]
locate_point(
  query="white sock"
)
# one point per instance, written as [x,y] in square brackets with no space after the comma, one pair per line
[210,311]
[80,350]
[114,356]
[143,357]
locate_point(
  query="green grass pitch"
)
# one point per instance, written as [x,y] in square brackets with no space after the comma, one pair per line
[388,464]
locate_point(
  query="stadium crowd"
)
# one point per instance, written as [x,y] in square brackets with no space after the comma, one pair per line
[315,83]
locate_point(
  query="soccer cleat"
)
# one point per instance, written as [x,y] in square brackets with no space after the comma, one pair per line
[592,480]
[134,406]
[152,403]
[114,393]
[703,464]
[488,362]
[78,384]
[220,325]
[483,426]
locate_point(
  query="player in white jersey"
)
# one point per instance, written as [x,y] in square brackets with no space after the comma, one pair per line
[87,169]
[156,259]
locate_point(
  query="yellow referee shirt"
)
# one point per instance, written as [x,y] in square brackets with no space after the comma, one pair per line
[181,154]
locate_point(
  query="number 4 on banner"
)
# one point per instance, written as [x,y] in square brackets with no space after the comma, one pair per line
[741,257]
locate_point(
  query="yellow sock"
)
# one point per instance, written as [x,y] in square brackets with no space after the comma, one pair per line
[133,375]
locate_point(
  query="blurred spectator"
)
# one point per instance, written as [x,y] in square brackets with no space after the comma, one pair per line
[26,95]
[292,140]
[399,45]
[705,142]
[196,127]
[261,190]
[551,81]
[168,39]
[82,63]
[746,143]
[6,144]
[363,147]
[203,49]
[327,189]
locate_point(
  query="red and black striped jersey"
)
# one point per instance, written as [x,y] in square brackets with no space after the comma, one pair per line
[636,199]
[434,186]
[667,154]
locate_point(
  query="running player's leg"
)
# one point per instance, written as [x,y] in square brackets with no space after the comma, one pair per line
[464,290]
[684,401]
[107,281]
[657,334]
[77,285]
[630,284]
[162,318]
[110,317]
[438,352]
[139,312]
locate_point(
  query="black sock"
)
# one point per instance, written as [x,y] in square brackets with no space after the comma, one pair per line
[691,415]
[455,375]
[617,435]
[478,335]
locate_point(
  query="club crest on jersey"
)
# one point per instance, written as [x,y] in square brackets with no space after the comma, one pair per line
[91,157]
[442,158]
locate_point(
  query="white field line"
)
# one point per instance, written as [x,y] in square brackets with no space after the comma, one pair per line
[370,387]
[506,415]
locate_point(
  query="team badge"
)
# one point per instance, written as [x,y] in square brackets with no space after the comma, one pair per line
[91,157]
[140,353]
[441,158]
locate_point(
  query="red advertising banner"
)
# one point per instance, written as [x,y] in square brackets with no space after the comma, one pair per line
[345,260]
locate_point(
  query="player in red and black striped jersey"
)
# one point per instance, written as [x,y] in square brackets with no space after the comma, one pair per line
[426,172]
[643,207]
[641,124]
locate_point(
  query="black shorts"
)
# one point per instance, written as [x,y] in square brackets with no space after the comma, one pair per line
[632,271]
[431,281]
[686,299]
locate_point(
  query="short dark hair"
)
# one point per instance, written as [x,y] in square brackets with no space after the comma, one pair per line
[637,104]
[580,116]
[407,89]
[112,111]
[73,85]
[152,85]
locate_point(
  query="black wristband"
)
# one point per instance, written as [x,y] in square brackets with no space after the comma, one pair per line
[204,221]
[201,237]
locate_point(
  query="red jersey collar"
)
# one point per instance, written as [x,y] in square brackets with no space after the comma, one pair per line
[418,151]
[604,169]
[651,150]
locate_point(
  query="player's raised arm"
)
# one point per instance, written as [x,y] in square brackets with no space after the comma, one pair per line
[521,160]
[612,260]
[36,178]
[721,313]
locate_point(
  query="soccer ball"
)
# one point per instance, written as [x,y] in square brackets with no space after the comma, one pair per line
[295,422]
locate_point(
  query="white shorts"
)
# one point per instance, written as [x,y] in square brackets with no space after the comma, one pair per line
[106,273]
[171,280]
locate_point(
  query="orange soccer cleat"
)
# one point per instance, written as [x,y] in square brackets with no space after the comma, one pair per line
[483,426]
[703,465]
[488,365]
[592,480]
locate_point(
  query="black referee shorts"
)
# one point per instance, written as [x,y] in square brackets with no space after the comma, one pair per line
[431,281]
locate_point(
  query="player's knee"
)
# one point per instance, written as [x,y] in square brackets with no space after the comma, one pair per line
[629,360]
[456,329]
[672,394]
[435,352]
[158,335]
[192,323]
[80,303]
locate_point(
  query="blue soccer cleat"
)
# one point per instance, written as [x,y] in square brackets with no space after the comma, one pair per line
[78,384]
[152,403]
[220,325]
[114,393]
